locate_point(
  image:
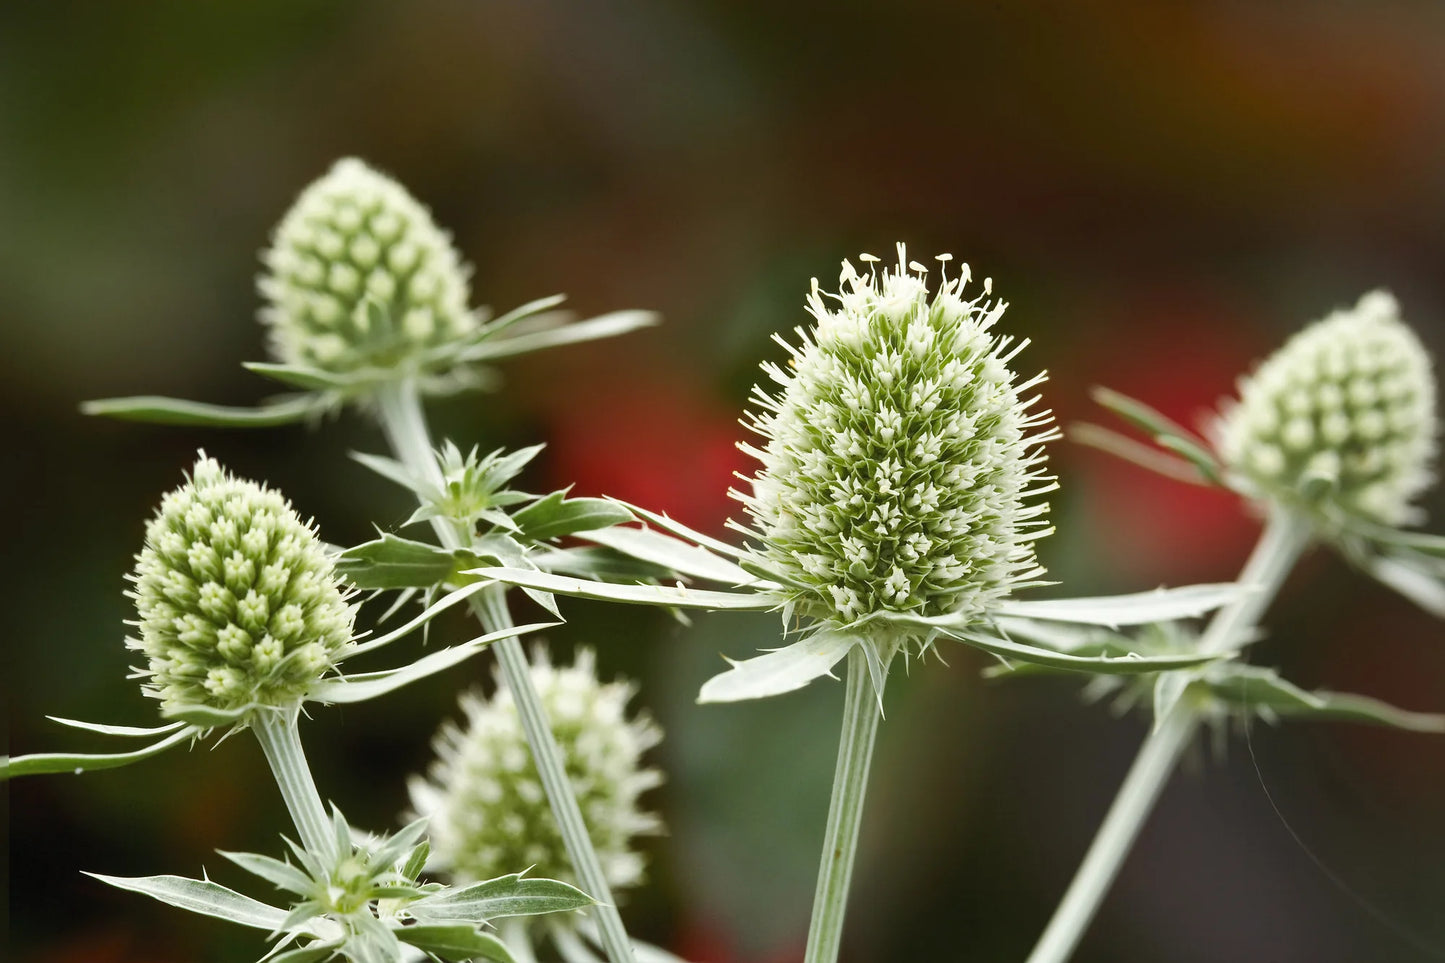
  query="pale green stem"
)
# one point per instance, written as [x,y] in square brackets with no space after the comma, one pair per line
[1284,538]
[404,423]
[280,738]
[845,812]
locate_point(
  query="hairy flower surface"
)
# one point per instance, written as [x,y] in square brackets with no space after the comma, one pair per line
[1341,418]
[354,236]
[238,601]
[488,812]
[899,465]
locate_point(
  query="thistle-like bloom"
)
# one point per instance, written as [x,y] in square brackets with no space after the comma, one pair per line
[486,807]
[356,237]
[898,499]
[1341,420]
[238,601]
[902,464]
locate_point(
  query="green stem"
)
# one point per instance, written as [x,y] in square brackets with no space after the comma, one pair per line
[280,738]
[404,422]
[845,812]
[1284,538]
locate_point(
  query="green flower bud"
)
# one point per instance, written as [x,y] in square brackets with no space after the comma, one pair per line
[238,601]
[1341,419]
[356,236]
[487,810]
[899,463]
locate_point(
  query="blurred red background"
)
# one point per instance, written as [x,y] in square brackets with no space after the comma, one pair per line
[1162,192]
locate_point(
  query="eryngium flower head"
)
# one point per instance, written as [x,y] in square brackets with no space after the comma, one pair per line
[487,811]
[1340,419]
[352,236]
[899,462]
[238,601]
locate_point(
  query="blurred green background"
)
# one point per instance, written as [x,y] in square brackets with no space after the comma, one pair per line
[1162,191]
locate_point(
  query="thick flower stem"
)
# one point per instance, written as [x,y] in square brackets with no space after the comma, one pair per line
[1285,536]
[845,812]
[404,423]
[280,738]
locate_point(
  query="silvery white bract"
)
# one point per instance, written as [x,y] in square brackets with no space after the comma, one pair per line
[898,498]
[1222,691]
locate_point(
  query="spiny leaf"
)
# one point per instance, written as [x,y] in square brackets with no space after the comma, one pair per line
[174,411]
[393,562]
[53,762]
[782,670]
[510,895]
[555,515]
[201,896]
[679,597]
[603,326]
[456,941]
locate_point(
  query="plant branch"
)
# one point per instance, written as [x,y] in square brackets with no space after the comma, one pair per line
[1284,538]
[404,423]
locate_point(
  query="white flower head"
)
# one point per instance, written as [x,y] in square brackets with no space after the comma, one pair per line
[902,465]
[239,603]
[487,810]
[354,238]
[1341,419]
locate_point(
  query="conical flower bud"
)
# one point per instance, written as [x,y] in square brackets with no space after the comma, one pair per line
[238,602]
[356,236]
[899,462]
[1341,419]
[487,810]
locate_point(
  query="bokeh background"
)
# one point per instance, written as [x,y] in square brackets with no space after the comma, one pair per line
[1162,191]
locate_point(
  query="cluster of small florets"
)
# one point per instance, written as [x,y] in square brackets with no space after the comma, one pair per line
[487,810]
[238,601]
[355,236]
[899,462]
[1342,417]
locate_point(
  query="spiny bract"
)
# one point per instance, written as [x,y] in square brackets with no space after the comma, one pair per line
[488,812]
[238,601]
[356,235]
[899,462]
[1341,418]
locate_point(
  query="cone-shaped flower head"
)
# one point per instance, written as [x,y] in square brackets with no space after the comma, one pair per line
[901,457]
[488,813]
[356,236]
[238,601]
[1341,419]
